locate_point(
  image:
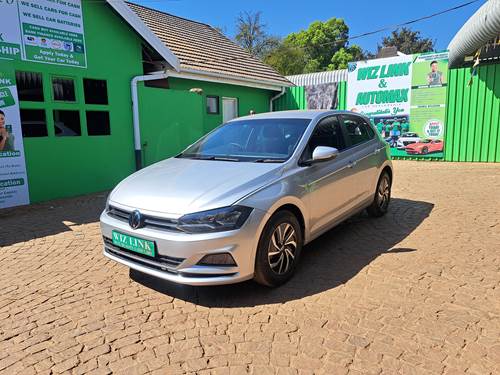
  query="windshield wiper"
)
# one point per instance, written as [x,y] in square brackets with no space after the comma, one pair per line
[269,161]
[222,158]
[217,158]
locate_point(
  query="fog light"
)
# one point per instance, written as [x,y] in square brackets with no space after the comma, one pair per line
[224,259]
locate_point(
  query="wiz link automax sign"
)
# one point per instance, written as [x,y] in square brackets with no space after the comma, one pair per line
[405,97]
[46,31]
[380,87]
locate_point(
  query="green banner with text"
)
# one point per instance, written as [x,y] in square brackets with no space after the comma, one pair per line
[46,31]
[13,176]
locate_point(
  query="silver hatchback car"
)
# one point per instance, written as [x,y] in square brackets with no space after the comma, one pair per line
[241,202]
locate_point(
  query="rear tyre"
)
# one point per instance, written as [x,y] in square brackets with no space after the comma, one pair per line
[382,198]
[279,250]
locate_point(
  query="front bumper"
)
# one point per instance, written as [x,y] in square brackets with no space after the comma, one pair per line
[178,253]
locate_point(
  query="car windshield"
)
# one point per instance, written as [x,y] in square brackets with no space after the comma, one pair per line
[259,140]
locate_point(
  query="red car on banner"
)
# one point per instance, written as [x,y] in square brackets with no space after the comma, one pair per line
[425,146]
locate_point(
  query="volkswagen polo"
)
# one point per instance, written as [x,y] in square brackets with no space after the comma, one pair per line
[242,202]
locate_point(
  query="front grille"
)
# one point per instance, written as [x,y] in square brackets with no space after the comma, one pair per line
[149,221]
[160,262]
[118,214]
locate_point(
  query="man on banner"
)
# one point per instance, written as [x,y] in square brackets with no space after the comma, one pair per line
[435,77]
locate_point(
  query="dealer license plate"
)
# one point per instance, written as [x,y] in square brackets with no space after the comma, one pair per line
[137,245]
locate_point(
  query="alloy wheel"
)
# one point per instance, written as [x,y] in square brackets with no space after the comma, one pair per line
[384,192]
[282,247]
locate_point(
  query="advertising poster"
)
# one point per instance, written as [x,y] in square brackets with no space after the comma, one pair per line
[10,33]
[322,96]
[381,87]
[405,98]
[47,31]
[428,103]
[13,177]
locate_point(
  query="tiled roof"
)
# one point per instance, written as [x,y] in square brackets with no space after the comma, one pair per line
[199,46]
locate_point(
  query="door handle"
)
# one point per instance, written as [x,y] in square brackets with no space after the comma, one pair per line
[377,151]
[351,164]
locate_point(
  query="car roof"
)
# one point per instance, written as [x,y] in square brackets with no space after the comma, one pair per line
[303,114]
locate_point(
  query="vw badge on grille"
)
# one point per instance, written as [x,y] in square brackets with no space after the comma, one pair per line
[135,220]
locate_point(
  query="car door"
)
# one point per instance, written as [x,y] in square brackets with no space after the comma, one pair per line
[362,151]
[327,185]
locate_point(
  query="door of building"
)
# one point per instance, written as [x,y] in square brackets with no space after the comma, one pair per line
[229,109]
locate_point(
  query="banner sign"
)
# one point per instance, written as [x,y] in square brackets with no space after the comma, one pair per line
[47,31]
[322,96]
[405,98]
[428,99]
[13,177]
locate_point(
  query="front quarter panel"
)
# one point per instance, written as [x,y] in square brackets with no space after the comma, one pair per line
[287,190]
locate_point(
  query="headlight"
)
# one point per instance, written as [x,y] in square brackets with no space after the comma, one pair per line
[106,208]
[218,220]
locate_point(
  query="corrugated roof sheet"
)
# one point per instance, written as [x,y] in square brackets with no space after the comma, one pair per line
[199,46]
[319,78]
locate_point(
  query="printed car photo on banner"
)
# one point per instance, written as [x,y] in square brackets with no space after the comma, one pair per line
[405,98]
[13,177]
[45,31]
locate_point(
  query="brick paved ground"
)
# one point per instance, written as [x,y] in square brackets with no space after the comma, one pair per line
[416,292]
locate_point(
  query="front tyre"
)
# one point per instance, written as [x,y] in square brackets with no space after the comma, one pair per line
[279,250]
[382,198]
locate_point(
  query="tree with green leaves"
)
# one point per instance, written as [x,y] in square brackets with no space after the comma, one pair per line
[323,46]
[408,41]
[286,59]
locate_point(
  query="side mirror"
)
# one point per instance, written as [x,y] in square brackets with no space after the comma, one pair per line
[321,154]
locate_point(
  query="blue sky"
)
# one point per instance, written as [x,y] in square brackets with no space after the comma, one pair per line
[283,17]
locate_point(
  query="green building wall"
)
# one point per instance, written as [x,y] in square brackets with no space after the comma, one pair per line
[248,98]
[68,166]
[171,119]
[295,98]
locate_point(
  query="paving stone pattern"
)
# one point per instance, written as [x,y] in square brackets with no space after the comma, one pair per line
[415,292]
